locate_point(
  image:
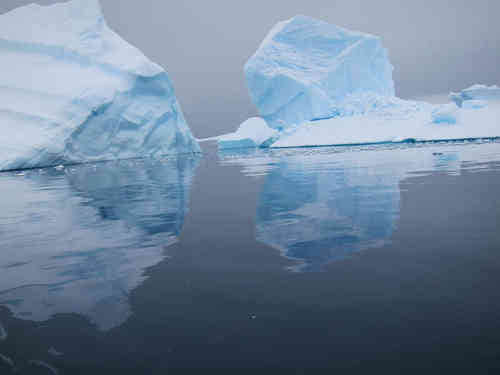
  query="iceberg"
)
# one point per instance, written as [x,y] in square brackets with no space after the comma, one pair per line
[71,90]
[305,68]
[321,85]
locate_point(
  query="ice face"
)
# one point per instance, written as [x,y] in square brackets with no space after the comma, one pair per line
[305,69]
[71,90]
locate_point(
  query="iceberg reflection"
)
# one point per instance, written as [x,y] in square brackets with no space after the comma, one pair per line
[322,204]
[78,240]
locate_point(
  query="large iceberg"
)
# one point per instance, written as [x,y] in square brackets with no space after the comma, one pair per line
[71,90]
[319,84]
[305,68]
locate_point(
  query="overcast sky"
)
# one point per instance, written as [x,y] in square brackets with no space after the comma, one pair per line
[436,46]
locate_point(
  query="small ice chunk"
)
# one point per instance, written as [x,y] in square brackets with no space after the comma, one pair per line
[254,132]
[53,352]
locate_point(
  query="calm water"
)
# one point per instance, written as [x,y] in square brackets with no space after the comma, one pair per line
[363,259]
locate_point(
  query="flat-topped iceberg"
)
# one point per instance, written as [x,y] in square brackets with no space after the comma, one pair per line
[71,90]
[319,84]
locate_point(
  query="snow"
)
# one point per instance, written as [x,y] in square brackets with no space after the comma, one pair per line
[71,90]
[254,132]
[321,85]
[305,68]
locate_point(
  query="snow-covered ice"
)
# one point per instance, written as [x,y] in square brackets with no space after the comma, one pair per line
[71,90]
[319,84]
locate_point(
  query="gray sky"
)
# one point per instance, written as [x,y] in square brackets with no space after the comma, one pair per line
[436,46]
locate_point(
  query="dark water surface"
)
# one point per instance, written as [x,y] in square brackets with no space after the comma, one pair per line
[382,259]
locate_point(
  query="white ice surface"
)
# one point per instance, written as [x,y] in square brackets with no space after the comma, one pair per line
[71,90]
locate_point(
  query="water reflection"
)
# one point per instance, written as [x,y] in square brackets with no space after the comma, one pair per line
[77,240]
[320,205]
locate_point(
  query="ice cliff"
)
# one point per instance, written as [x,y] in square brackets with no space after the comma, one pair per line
[319,84]
[305,68]
[71,90]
